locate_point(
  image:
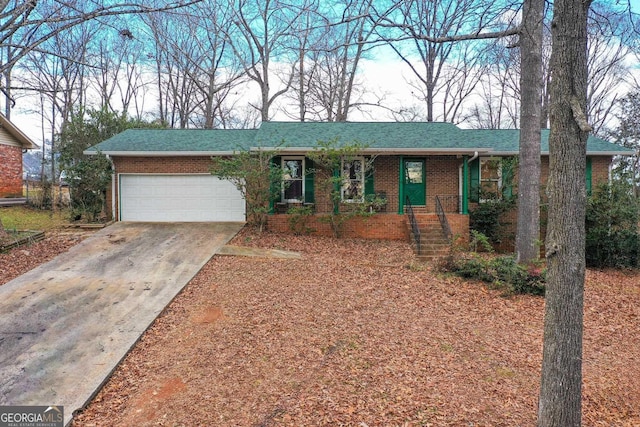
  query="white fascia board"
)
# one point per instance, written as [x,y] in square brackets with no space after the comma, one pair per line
[161,153]
[287,150]
[303,150]
[428,151]
[611,153]
[546,153]
[397,151]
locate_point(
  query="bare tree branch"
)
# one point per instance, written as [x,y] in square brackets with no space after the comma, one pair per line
[31,23]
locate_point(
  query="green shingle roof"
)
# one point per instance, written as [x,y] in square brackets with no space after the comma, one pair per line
[396,137]
[376,135]
[205,141]
[508,140]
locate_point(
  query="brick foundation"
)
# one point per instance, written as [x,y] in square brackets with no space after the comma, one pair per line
[10,171]
[378,226]
[383,226]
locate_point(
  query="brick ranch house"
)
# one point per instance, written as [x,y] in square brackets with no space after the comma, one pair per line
[13,143]
[164,174]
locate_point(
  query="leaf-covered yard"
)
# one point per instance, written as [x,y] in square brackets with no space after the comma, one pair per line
[352,335]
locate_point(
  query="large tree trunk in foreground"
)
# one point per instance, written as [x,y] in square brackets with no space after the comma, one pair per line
[561,382]
[528,228]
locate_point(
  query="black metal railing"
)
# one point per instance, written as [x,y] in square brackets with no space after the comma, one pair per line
[451,203]
[444,222]
[415,229]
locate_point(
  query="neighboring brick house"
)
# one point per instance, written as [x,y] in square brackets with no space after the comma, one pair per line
[13,144]
[163,175]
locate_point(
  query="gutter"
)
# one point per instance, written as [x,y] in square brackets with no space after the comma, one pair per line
[388,151]
[546,153]
[159,153]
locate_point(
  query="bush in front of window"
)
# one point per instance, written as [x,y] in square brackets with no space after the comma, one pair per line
[485,217]
[341,172]
[256,177]
[612,235]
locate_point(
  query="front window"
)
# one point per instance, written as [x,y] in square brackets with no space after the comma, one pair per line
[293,179]
[490,178]
[353,180]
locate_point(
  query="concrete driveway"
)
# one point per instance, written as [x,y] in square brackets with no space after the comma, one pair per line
[65,325]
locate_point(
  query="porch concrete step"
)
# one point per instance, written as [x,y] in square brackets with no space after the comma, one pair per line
[432,252]
[433,243]
[432,233]
[421,210]
[429,258]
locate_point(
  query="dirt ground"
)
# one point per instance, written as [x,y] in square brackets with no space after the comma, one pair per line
[355,334]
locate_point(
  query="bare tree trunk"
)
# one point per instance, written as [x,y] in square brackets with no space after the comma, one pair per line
[265,89]
[528,228]
[561,381]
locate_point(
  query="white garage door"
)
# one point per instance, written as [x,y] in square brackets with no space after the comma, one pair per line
[179,198]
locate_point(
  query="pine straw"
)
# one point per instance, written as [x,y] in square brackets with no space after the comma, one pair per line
[18,261]
[350,336]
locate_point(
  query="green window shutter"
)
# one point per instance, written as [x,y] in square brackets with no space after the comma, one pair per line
[336,188]
[589,177]
[474,174]
[507,178]
[275,186]
[368,182]
[309,178]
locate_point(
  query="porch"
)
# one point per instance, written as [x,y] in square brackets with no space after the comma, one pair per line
[383,225]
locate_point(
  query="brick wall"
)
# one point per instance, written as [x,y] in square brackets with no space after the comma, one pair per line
[383,226]
[379,226]
[385,179]
[459,226]
[189,164]
[442,181]
[10,171]
[508,221]
[600,169]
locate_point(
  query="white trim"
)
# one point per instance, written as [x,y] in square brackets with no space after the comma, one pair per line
[482,160]
[302,179]
[303,150]
[14,131]
[160,153]
[396,151]
[347,180]
[460,186]
[546,153]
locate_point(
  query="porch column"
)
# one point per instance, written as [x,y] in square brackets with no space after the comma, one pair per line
[401,187]
[465,185]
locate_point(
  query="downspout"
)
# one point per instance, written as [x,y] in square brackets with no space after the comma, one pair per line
[464,168]
[113,188]
[401,187]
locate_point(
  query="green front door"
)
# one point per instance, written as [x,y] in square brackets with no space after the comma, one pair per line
[414,181]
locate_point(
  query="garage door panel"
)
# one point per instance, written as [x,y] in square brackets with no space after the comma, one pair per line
[179,198]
